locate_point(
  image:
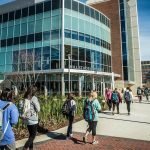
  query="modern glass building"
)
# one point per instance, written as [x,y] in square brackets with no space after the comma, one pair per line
[61,45]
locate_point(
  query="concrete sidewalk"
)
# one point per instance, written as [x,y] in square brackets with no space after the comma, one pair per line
[135,126]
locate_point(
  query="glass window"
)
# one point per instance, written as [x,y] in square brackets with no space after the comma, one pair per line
[87,38]
[16,40]
[55,22]
[31,10]
[47,24]
[67,51]
[10,42]
[74,35]
[97,15]
[3,43]
[88,55]
[125,70]
[92,13]
[38,26]
[121,6]
[46,36]
[4,33]
[54,34]
[39,8]
[122,14]
[17,30]
[54,52]
[38,36]
[23,39]
[123,36]
[25,12]
[87,10]
[5,17]
[10,31]
[81,8]
[68,4]
[30,38]
[98,41]
[81,36]
[81,54]
[125,63]
[92,39]
[38,52]
[30,27]
[75,53]
[123,28]
[47,6]
[11,16]
[30,54]
[67,33]
[0,18]
[24,29]
[74,5]
[18,14]
[46,53]
[56,4]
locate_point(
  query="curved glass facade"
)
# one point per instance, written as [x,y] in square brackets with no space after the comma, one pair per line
[39,38]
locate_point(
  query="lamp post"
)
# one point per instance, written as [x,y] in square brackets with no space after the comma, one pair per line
[69,57]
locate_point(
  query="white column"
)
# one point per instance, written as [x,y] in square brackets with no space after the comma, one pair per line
[93,83]
[62,85]
[80,89]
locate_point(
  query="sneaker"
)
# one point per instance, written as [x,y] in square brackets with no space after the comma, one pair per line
[95,142]
[128,113]
[71,135]
[68,138]
[112,113]
[85,139]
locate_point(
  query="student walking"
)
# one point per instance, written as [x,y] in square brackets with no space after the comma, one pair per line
[8,117]
[91,109]
[146,93]
[31,116]
[116,99]
[128,98]
[139,94]
[108,94]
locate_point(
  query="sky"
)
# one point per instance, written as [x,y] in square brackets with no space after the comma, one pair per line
[144,26]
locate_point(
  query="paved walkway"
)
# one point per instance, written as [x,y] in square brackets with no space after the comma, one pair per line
[122,131]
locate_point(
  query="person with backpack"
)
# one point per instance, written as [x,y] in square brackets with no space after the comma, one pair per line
[146,93]
[69,109]
[8,117]
[139,94]
[108,93]
[30,115]
[91,109]
[116,99]
[128,98]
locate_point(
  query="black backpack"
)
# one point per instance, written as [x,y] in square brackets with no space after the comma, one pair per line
[66,108]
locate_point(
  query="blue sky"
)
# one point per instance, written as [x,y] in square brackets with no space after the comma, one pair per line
[144,26]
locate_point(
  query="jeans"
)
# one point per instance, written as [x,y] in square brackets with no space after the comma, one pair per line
[69,130]
[116,104]
[109,103]
[32,133]
[128,106]
[92,127]
[8,147]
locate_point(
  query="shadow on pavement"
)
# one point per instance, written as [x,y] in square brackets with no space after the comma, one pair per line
[57,136]
[77,141]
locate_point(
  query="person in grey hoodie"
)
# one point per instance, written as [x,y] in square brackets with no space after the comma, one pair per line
[32,118]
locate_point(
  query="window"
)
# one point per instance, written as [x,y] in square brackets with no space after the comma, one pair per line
[67,33]
[98,41]
[39,8]
[92,39]
[92,13]
[30,27]
[38,36]
[97,15]
[67,51]
[10,42]
[38,27]
[0,18]
[54,34]
[88,55]
[18,14]
[87,38]
[30,38]
[123,36]
[87,11]
[22,39]
[46,36]
[74,5]
[24,29]
[54,52]
[81,36]
[47,6]
[75,53]
[5,17]
[81,8]
[81,54]
[11,16]
[74,35]
[31,10]
[56,4]
[3,43]
[68,4]
[16,40]
[25,12]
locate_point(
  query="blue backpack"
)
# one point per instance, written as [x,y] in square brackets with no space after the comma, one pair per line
[127,96]
[114,97]
[88,112]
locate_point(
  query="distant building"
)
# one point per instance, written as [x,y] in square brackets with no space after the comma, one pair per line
[124,40]
[146,73]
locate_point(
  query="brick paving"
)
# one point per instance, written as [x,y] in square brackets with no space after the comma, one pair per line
[105,143]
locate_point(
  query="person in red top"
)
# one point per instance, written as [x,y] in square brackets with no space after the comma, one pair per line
[108,93]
